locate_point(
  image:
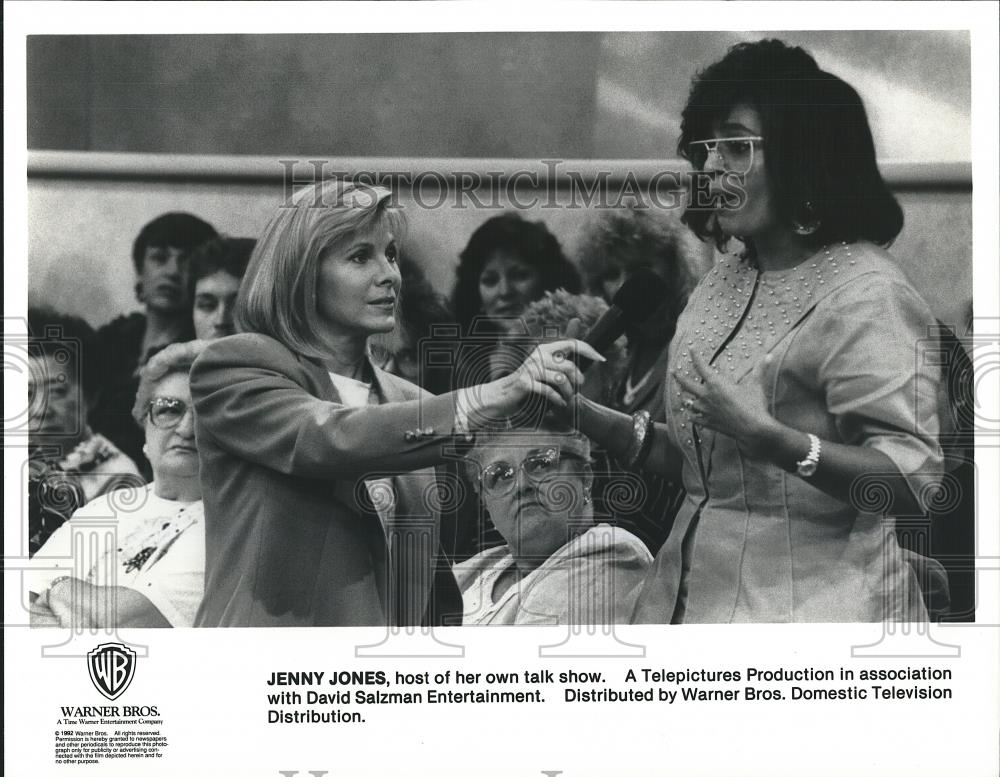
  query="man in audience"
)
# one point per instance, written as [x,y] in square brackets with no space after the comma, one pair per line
[161,253]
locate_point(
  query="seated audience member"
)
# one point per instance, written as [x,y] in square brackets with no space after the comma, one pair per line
[68,465]
[153,575]
[216,269]
[160,254]
[557,566]
[508,264]
[544,320]
[615,245]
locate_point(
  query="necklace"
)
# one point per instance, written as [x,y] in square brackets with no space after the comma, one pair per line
[631,392]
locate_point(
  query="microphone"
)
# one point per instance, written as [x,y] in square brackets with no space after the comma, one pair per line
[638,298]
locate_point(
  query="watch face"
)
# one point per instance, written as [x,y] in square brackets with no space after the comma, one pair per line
[807,468]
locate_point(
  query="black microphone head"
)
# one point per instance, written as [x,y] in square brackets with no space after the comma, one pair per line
[640,295]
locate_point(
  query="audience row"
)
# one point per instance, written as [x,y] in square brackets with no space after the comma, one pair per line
[301,430]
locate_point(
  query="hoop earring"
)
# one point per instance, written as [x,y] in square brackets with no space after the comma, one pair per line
[806,228]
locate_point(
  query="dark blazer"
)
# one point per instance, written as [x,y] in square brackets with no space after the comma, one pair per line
[292,538]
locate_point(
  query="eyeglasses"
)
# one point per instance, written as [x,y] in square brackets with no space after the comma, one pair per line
[500,476]
[167,412]
[735,154]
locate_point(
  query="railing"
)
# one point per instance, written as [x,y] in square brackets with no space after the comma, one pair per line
[900,174]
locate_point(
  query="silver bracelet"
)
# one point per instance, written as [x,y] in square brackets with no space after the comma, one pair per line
[807,467]
[642,438]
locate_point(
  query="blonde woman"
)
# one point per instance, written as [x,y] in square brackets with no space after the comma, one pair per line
[317,466]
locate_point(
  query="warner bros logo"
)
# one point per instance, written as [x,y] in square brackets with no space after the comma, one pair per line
[112,666]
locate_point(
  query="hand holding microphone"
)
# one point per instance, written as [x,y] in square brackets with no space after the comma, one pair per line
[632,306]
[550,371]
[554,370]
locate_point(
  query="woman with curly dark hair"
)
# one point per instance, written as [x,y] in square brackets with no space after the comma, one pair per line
[507,264]
[796,409]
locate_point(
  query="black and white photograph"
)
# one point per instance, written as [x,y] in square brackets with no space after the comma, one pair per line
[665,335]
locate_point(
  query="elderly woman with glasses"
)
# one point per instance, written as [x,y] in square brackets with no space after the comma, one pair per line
[798,409]
[321,500]
[557,566]
[150,560]
[556,314]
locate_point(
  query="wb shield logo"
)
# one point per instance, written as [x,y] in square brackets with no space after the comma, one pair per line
[111,668]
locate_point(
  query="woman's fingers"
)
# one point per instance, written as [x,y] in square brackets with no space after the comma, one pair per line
[689,384]
[549,393]
[554,368]
[551,373]
[568,369]
[569,347]
[697,360]
[698,409]
[761,370]
[701,366]
[562,382]
[555,372]
[547,379]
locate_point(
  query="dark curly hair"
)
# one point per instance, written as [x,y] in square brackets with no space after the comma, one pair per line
[820,155]
[530,241]
[622,240]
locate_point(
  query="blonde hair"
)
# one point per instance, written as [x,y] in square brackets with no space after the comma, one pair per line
[278,294]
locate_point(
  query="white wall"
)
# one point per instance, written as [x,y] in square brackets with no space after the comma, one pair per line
[81,232]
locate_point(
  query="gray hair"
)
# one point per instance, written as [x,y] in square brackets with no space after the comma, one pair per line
[174,358]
